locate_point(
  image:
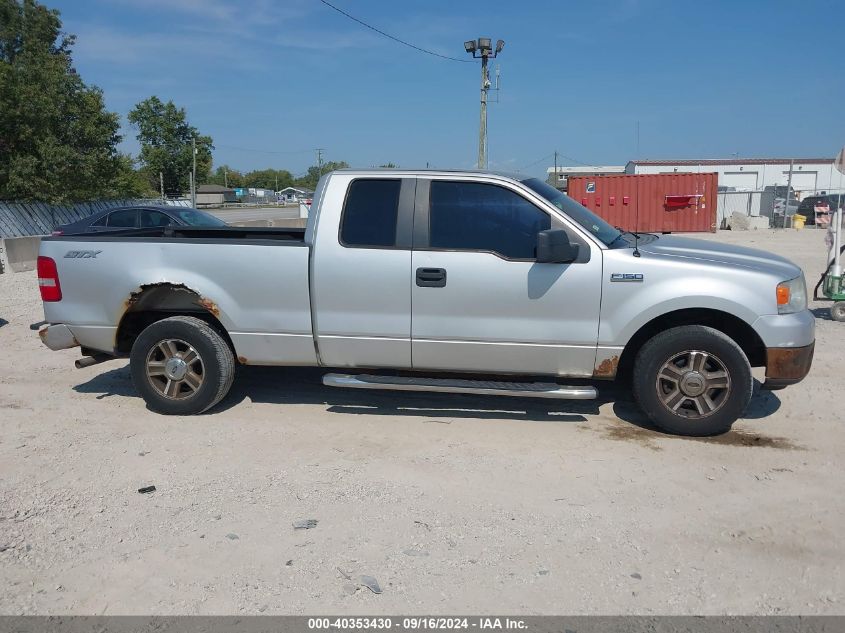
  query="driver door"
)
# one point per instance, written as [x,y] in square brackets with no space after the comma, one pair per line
[480,300]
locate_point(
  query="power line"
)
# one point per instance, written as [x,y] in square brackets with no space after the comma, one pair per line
[546,157]
[395,39]
[264,151]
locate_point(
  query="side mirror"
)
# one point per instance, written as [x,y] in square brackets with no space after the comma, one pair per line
[554,247]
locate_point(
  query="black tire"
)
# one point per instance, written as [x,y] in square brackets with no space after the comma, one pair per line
[207,378]
[678,376]
[837,311]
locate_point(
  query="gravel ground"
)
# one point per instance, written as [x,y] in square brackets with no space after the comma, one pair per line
[454,504]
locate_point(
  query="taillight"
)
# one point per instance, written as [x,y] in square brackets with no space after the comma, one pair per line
[57,232]
[48,280]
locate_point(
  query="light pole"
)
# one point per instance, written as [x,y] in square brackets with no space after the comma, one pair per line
[482,47]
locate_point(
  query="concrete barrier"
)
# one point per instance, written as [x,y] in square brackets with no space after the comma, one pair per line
[20,253]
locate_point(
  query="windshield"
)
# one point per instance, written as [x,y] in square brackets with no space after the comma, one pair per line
[193,217]
[582,215]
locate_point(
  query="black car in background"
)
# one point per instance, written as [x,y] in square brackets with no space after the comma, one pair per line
[139,217]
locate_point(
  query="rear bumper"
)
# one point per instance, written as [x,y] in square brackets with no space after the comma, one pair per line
[57,336]
[787,365]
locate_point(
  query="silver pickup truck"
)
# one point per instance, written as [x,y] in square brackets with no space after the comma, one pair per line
[454,281]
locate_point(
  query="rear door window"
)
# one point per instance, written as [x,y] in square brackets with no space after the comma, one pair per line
[472,216]
[370,213]
[126,218]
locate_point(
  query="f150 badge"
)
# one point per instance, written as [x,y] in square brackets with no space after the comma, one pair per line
[626,276]
[82,254]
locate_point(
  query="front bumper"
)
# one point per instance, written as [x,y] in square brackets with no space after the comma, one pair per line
[787,365]
[57,336]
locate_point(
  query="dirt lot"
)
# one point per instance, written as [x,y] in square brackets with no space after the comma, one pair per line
[455,504]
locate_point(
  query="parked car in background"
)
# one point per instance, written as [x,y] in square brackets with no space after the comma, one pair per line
[139,217]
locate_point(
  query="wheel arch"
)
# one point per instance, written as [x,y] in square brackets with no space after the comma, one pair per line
[154,302]
[731,325]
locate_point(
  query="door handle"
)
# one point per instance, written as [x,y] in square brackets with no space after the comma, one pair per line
[431,277]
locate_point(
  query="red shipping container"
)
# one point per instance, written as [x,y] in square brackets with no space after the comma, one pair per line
[651,203]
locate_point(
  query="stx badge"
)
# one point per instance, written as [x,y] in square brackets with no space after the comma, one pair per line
[82,254]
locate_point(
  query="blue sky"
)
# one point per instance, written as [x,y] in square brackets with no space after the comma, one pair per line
[270,80]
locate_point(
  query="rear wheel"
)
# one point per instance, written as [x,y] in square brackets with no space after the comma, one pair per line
[692,380]
[837,311]
[181,366]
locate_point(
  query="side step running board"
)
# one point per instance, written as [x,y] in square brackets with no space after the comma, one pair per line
[449,385]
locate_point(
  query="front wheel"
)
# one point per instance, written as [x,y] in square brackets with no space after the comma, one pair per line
[692,380]
[181,366]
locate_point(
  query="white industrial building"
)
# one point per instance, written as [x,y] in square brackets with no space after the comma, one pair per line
[809,175]
[559,176]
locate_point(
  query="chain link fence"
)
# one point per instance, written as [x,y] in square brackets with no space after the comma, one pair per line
[25,219]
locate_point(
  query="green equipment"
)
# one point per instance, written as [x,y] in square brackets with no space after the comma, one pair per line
[832,283]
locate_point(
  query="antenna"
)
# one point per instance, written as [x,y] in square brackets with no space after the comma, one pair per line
[636,252]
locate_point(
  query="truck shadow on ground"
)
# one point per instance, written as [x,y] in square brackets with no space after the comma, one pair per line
[3,322]
[286,385]
[821,313]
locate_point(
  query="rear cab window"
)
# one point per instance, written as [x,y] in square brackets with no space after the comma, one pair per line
[370,213]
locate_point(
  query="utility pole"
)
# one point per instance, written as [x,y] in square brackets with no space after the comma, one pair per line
[482,125]
[482,47]
[161,183]
[320,151]
[194,172]
[226,178]
[786,199]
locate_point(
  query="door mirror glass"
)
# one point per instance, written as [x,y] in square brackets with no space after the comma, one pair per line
[554,247]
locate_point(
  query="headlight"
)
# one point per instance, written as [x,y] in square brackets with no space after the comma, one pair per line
[792,295]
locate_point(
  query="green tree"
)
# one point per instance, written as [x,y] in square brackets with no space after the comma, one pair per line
[131,182]
[268,179]
[312,176]
[165,136]
[58,143]
[226,176]
[389,166]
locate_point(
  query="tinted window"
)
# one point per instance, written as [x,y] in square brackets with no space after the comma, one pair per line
[154,218]
[101,221]
[128,218]
[480,217]
[369,216]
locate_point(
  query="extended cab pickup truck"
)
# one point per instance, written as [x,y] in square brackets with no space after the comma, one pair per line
[459,281]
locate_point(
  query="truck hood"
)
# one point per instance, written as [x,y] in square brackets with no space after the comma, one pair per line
[718,254]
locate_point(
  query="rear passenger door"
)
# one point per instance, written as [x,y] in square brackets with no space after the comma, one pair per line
[361,272]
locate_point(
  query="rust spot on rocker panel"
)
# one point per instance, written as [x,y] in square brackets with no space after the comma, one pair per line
[607,368]
[243,360]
